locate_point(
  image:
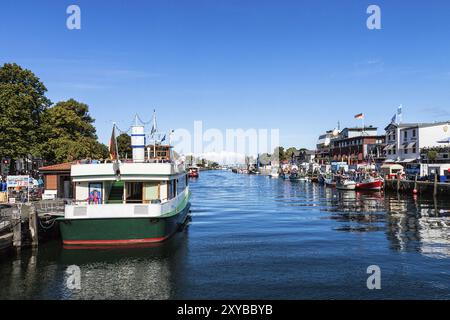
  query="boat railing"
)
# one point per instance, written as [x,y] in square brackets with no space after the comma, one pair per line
[74,202]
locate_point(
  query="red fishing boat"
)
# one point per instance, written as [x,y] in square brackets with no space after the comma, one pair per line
[193,172]
[370,183]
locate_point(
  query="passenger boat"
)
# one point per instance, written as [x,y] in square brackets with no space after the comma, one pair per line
[370,183]
[142,201]
[345,183]
[193,172]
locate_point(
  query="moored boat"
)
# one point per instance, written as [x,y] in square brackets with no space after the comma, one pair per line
[193,172]
[127,203]
[328,180]
[370,183]
[345,183]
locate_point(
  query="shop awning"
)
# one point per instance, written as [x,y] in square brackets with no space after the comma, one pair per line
[389,147]
[411,145]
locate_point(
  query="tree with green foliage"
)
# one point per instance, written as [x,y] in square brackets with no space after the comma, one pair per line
[279,151]
[70,134]
[289,152]
[124,146]
[265,159]
[22,104]
[432,155]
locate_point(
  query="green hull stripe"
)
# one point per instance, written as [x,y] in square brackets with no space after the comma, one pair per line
[121,228]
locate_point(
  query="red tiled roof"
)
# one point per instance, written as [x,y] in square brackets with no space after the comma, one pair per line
[57,167]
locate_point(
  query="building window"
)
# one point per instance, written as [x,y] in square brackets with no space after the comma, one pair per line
[405,134]
[414,133]
[406,151]
[414,150]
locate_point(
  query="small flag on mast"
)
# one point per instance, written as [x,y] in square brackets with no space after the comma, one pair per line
[113,145]
[359,116]
[154,129]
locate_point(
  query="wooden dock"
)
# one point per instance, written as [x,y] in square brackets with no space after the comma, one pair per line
[435,188]
[23,225]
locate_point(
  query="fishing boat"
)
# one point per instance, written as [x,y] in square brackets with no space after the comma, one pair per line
[298,177]
[142,201]
[285,172]
[370,183]
[193,172]
[345,183]
[294,173]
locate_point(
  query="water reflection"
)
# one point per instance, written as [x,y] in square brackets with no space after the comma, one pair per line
[412,223]
[128,273]
[419,224]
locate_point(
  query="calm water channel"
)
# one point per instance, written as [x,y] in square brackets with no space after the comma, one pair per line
[256,237]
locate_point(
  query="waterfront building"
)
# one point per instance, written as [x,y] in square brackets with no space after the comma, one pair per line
[404,141]
[304,156]
[358,146]
[323,146]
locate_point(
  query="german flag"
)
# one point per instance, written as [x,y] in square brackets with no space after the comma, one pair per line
[113,154]
[359,116]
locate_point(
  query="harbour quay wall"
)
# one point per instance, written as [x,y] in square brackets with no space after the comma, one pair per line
[422,187]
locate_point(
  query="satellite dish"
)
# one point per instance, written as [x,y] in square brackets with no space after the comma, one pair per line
[335,132]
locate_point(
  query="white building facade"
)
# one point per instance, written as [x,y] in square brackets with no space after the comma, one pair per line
[404,141]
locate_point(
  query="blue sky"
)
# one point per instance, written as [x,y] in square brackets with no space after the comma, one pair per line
[295,65]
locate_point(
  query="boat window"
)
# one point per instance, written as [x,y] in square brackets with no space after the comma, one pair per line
[151,191]
[134,192]
[171,189]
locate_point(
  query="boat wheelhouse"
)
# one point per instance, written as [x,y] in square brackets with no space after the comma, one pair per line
[121,202]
